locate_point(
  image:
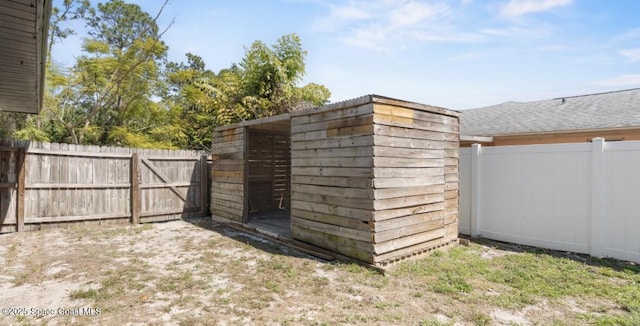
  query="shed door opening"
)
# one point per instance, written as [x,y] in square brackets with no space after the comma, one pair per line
[269,181]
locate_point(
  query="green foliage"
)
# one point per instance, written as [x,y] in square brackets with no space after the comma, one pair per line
[262,85]
[121,91]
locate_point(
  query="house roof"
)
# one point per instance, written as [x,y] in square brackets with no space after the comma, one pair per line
[23,35]
[619,109]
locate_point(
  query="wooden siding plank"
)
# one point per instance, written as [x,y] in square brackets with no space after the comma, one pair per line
[354,162]
[322,153]
[333,181]
[334,191]
[408,191]
[406,211]
[332,230]
[351,248]
[360,203]
[399,243]
[407,182]
[354,213]
[331,219]
[356,141]
[407,231]
[332,171]
[407,221]
[409,201]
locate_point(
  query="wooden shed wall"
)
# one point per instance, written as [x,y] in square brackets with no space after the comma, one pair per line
[228,174]
[269,170]
[415,180]
[332,177]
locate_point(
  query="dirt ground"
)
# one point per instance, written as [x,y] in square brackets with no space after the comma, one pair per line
[201,272]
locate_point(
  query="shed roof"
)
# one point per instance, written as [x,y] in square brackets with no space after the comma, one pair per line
[23,35]
[611,110]
[339,105]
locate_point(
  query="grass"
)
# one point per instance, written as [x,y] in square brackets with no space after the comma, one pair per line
[202,274]
[531,277]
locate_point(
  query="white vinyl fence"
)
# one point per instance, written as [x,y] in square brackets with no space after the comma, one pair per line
[582,197]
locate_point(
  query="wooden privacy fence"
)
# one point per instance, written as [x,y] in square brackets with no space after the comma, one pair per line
[47,184]
[579,197]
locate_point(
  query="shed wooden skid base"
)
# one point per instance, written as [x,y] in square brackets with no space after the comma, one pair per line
[373,179]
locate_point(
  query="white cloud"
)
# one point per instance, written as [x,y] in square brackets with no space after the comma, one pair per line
[630,35]
[383,25]
[624,80]
[414,13]
[632,54]
[516,8]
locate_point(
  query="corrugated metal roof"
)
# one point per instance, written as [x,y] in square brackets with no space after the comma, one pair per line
[619,109]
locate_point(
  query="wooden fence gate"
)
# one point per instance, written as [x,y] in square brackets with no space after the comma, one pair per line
[49,185]
[11,161]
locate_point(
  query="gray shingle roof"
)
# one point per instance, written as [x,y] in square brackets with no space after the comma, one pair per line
[617,109]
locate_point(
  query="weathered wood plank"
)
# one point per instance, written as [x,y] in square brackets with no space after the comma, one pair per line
[356,182]
[362,120]
[227,197]
[409,201]
[407,191]
[20,194]
[403,122]
[351,248]
[84,217]
[388,141]
[331,219]
[356,141]
[335,133]
[76,186]
[332,171]
[135,188]
[400,152]
[360,203]
[354,162]
[334,114]
[334,191]
[402,232]
[332,230]
[323,153]
[400,172]
[407,182]
[399,243]
[399,212]
[354,213]
[408,251]
[406,221]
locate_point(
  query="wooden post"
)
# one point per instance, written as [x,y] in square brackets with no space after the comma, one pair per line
[204,186]
[21,186]
[597,205]
[476,215]
[135,189]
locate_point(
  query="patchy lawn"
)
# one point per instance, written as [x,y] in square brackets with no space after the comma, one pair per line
[200,272]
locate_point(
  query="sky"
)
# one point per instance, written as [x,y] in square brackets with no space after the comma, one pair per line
[457,54]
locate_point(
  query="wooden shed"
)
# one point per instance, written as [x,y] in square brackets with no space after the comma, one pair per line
[373,178]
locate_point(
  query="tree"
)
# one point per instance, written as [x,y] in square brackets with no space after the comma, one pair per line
[107,97]
[191,101]
[269,78]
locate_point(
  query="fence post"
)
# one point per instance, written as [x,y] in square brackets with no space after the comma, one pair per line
[476,216]
[597,204]
[22,162]
[204,189]
[135,189]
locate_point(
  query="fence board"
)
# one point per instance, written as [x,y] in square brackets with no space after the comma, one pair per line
[543,195]
[61,183]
